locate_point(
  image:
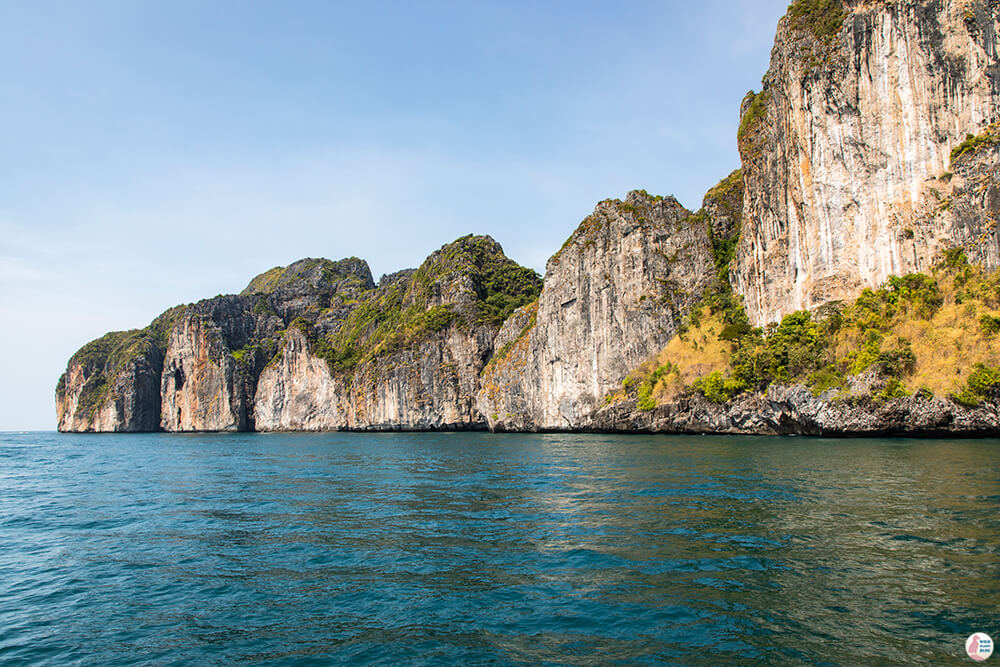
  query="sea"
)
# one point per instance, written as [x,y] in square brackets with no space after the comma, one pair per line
[489,549]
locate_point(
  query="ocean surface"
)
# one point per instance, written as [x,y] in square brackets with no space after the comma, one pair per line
[480,549]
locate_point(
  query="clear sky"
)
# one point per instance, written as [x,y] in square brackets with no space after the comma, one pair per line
[156,153]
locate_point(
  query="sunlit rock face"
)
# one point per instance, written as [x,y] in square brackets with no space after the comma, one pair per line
[203,387]
[613,295]
[845,142]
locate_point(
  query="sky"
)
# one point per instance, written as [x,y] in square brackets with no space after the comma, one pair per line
[158,153]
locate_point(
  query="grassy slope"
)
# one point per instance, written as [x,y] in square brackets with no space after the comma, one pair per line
[938,334]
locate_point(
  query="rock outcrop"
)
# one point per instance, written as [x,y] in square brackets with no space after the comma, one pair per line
[407,357]
[217,349]
[112,384]
[312,346]
[614,294]
[963,205]
[296,391]
[862,104]
[793,410]
[202,387]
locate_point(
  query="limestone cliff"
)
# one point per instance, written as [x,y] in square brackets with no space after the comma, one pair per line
[315,345]
[202,387]
[113,383]
[614,294]
[407,357]
[861,106]
[216,351]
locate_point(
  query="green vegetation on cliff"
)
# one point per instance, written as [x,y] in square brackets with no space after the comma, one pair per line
[469,282]
[974,142]
[309,270]
[931,334]
[638,205]
[102,360]
[726,198]
[501,354]
[823,18]
[751,123]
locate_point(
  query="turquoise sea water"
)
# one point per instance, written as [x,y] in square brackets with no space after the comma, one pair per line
[479,549]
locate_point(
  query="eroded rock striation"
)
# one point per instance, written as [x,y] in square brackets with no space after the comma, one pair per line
[859,112]
[112,384]
[613,294]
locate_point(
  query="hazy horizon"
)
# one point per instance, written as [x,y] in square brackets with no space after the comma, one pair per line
[162,153]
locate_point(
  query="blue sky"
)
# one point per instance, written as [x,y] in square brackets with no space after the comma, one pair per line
[157,153]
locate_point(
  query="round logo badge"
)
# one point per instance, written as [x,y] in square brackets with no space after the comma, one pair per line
[979,646]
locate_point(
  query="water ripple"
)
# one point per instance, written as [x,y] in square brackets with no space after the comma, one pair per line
[445,549]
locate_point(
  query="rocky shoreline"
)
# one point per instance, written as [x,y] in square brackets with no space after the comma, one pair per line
[793,410]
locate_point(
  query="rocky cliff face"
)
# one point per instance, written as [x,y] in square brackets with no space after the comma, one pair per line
[962,206]
[311,346]
[407,357]
[202,387]
[218,348]
[862,104]
[614,294]
[296,391]
[112,383]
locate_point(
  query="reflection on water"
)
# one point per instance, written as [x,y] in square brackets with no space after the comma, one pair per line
[490,549]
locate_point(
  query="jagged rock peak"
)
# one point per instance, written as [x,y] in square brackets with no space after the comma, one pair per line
[476,267]
[395,277]
[313,272]
[612,216]
[407,356]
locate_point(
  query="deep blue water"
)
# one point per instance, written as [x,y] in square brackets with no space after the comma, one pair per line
[468,549]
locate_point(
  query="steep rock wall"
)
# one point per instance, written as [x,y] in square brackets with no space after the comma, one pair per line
[964,204]
[113,383]
[203,388]
[114,389]
[428,387]
[408,358]
[296,391]
[613,295]
[838,147]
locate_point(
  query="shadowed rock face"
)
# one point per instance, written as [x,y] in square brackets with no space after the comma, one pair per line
[613,295]
[203,388]
[112,384]
[308,286]
[838,148]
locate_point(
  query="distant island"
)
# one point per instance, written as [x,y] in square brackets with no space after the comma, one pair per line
[843,281]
